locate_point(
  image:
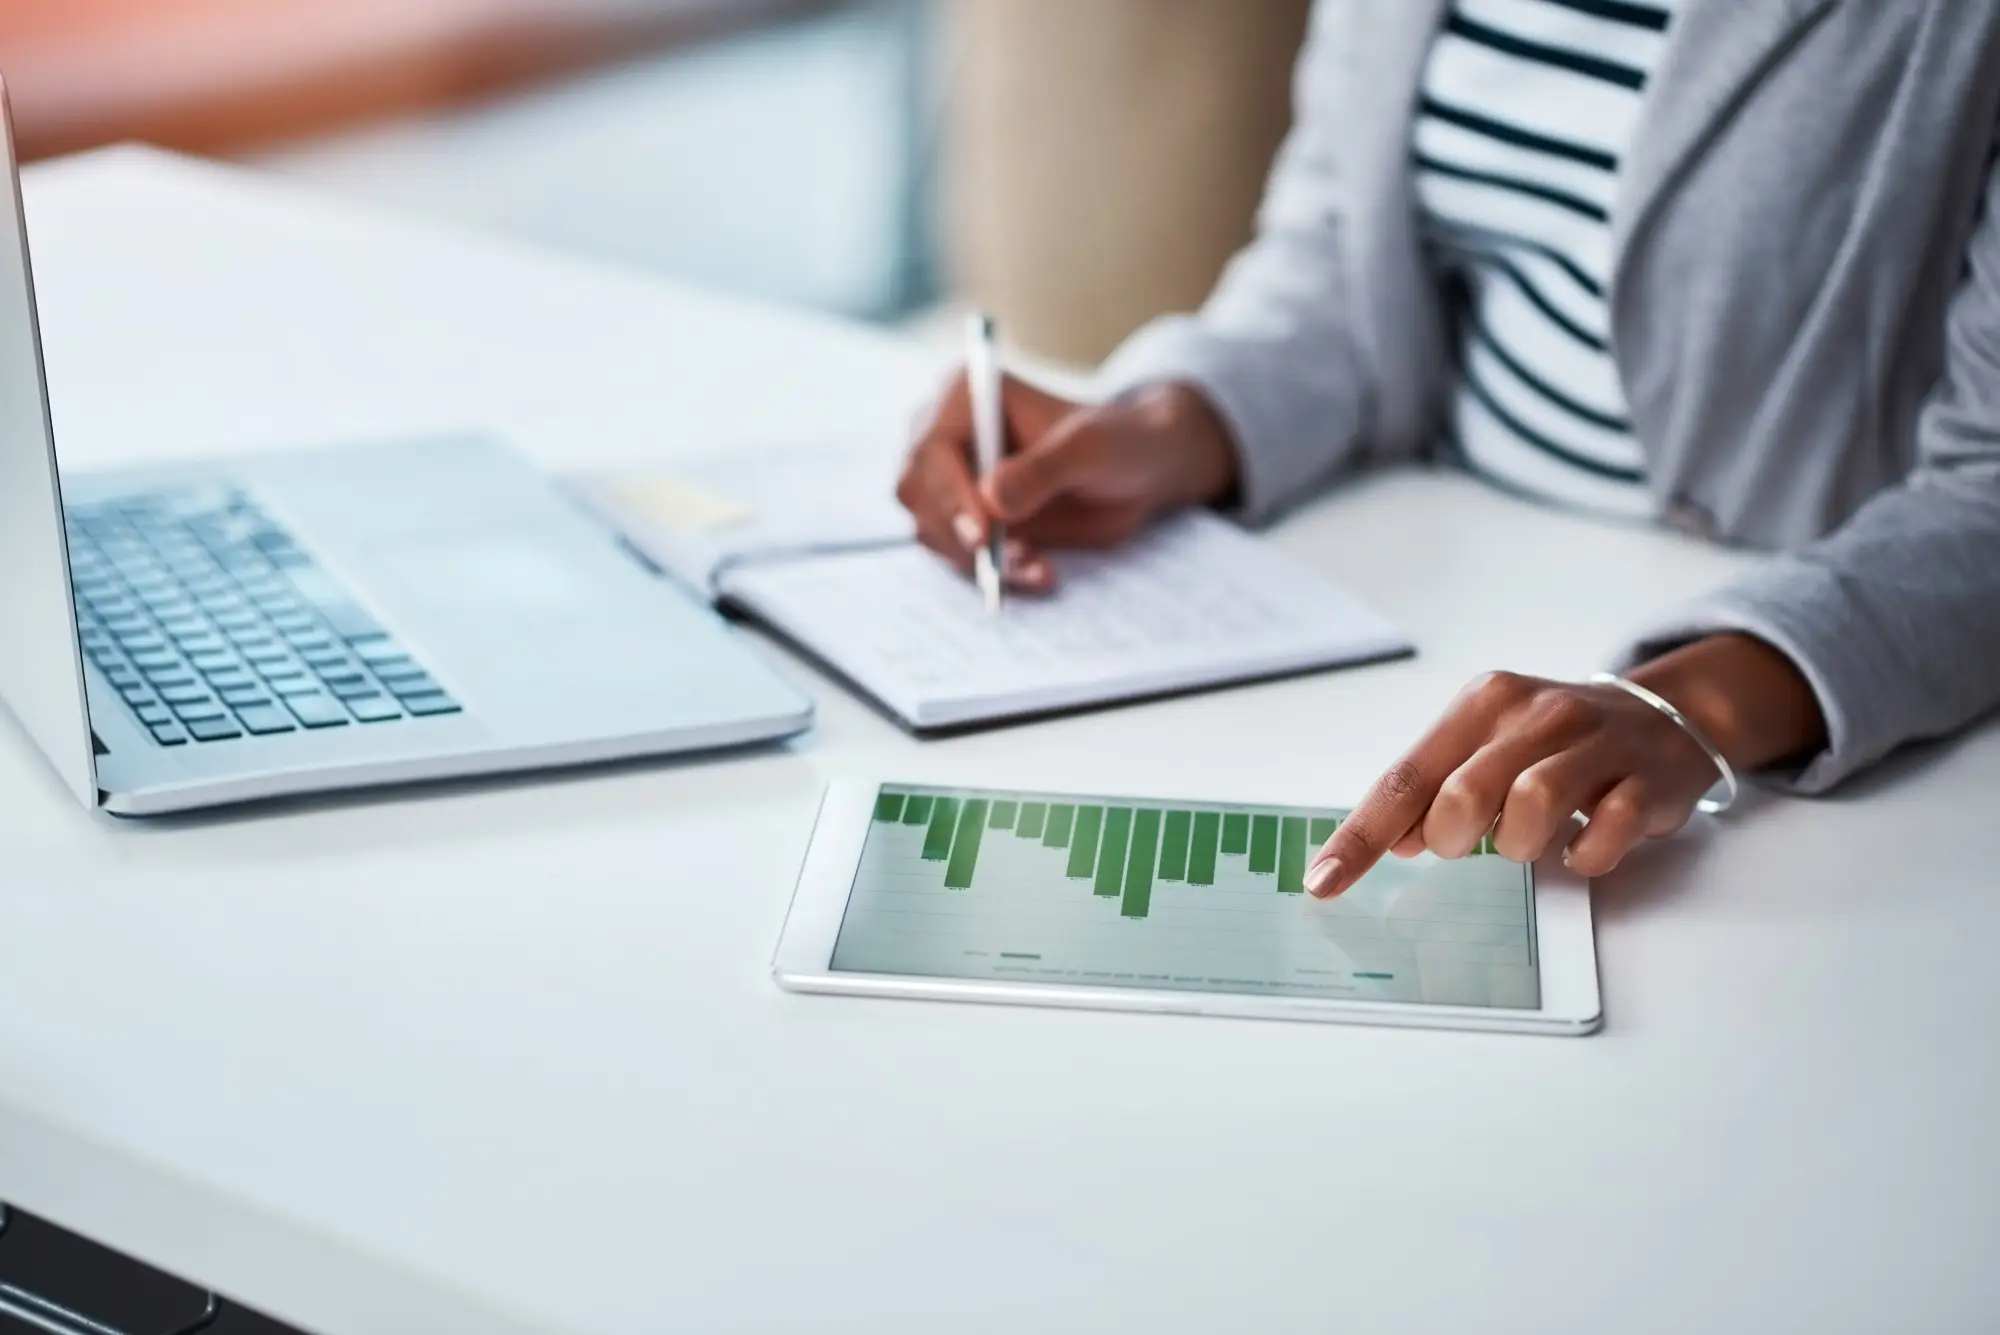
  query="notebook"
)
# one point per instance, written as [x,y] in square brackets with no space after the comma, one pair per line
[812,545]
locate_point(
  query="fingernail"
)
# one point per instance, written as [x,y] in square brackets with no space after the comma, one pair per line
[1321,876]
[1037,571]
[968,530]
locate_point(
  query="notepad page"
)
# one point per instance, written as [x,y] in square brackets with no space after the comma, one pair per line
[1194,602]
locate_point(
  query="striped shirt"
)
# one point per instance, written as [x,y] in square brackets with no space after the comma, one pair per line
[1527,107]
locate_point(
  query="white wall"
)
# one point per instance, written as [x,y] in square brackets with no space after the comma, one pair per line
[776,163]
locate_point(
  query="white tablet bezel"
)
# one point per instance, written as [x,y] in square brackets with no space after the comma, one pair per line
[803,960]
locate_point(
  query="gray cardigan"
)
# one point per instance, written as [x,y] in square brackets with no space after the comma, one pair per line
[1805,314]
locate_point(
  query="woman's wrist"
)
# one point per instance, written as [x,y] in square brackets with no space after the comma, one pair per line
[1205,451]
[1747,697]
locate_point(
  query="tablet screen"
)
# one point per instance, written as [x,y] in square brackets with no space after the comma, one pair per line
[1118,892]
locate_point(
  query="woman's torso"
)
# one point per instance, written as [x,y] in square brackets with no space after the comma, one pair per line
[1525,111]
[1786,232]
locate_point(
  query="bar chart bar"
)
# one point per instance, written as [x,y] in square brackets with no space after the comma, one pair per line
[1174,848]
[1201,848]
[944,820]
[965,846]
[1061,815]
[917,810]
[1292,855]
[1322,829]
[1263,845]
[1111,863]
[889,807]
[1083,842]
[1236,833]
[1034,815]
[1139,865]
[1003,815]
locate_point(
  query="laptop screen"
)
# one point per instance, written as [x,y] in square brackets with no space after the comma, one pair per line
[41,668]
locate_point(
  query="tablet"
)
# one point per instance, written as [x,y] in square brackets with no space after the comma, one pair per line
[1174,906]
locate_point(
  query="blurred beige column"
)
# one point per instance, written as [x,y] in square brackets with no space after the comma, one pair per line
[1106,156]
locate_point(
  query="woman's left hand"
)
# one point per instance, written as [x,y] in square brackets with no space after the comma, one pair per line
[1520,756]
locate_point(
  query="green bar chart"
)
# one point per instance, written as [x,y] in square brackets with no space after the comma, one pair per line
[1121,851]
[1131,893]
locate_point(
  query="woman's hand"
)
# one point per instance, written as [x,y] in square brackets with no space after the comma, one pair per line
[1518,756]
[1074,475]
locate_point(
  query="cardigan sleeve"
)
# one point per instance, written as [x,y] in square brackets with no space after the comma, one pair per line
[1894,618]
[1274,348]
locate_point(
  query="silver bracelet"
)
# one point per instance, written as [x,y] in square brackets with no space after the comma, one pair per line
[1710,806]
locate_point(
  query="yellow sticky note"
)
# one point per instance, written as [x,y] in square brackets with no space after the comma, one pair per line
[679,505]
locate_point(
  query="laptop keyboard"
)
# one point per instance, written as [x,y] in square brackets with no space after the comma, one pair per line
[215,625]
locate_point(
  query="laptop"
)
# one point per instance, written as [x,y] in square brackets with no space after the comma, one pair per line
[192,636]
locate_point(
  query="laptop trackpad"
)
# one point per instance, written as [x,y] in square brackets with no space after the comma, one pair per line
[501,579]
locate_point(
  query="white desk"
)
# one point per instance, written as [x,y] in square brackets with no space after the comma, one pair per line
[507,1058]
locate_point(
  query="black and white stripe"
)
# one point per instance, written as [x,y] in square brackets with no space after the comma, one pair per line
[1526,111]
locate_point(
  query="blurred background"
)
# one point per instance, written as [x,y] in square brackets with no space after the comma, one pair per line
[1077,166]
